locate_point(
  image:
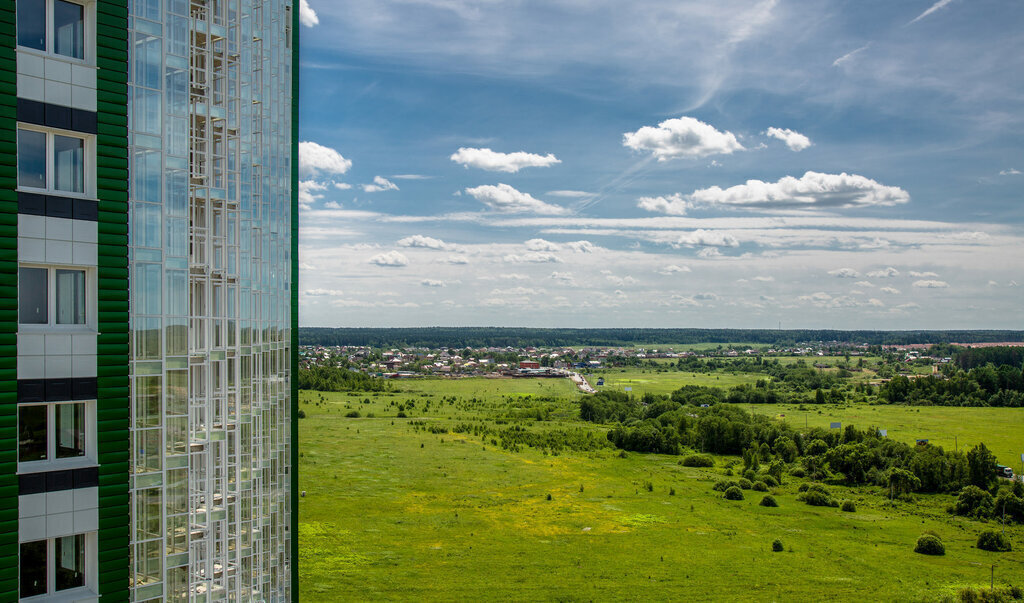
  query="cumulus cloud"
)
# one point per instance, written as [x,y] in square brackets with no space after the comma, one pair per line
[673,269]
[923,274]
[307,16]
[707,238]
[532,257]
[380,184]
[709,252]
[931,284]
[844,273]
[317,160]
[391,259]
[493,161]
[457,260]
[1009,172]
[582,246]
[682,137]
[565,277]
[542,245]
[424,242]
[309,193]
[813,190]
[504,198]
[322,292]
[863,284]
[794,140]
[876,303]
[890,290]
[889,272]
[427,282]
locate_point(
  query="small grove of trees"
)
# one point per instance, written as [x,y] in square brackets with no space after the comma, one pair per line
[331,379]
[680,422]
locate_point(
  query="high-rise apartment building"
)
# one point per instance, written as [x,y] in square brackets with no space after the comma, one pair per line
[148,310]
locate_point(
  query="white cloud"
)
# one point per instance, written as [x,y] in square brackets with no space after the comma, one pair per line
[322,292]
[863,284]
[890,290]
[425,242]
[380,184]
[532,257]
[518,291]
[316,160]
[1012,284]
[876,303]
[1009,172]
[411,177]
[457,260]
[794,140]
[707,238]
[844,273]
[682,137]
[582,246]
[504,198]
[673,205]
[433,283]
[673,269]
[923,274]
[333,205]
[571,194]
[889,272]
[392,259]
[709,252]
[565,277]
[307,16]
[764,279]
[542,245]
[937,6]
[931,284]
[494,161]
[342,186]
[308,190]
[813,190]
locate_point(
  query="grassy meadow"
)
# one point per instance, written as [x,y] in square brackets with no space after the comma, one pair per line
[395,510]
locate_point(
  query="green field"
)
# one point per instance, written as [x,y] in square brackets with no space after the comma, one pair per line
[651,381]
[395,513]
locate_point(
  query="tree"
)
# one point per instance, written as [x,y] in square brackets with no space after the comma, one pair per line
[901,482]
[981,467]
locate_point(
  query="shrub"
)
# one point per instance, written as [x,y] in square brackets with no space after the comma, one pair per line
[750,475]
[770,481]
[302,414]
[400,415]
[928,544]
[849,506]
[974,502]
[723,485]
[777,546]
[733,493]
[760,487]
[698,460]
[991,540]
[798,472]
[803,487]
[745,483]
[768,501]
[816,495]
[352,414]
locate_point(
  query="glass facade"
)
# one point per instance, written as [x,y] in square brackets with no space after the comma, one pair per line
[210,134]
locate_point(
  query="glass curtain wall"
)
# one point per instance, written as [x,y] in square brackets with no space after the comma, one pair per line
[210,136]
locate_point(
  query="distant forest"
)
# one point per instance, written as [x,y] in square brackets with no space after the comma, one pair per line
[478,337]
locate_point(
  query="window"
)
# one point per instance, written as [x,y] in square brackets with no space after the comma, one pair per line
[52,26]
[52,566]
[52,161]
[52,432]
[52,296]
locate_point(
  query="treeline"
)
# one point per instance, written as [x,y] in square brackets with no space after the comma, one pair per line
[681,422]
[982,386]
[968,358]
[516,337]
[330,379]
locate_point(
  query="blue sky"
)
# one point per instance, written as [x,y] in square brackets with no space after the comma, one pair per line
[589,163]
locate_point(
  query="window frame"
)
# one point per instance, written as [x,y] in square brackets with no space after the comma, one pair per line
[51,325]
[52,463]
[90,569]
[88,162]
[88,34]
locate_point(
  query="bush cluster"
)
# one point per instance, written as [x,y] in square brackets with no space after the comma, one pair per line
[816,495]
[698,460]
[733,493]
[768,501]
[777,546]
[849,506]
[990,540]
[929,544]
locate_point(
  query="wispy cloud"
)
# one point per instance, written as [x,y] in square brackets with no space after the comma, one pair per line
[935,7]
[380,184]
[848,56]
[794,140]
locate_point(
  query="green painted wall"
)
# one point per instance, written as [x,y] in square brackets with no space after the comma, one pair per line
[112,411]
[8,308]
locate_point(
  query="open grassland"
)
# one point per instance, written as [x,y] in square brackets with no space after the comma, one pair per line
[1001,429]
[393,511]
[651,381]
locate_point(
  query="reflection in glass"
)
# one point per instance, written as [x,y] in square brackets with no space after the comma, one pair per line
[70,297]
[70,430]
[31,158]
[68,164]
[31,433]
[32,302]
[33,565]
[69,556]
[69,29]
[32,24]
